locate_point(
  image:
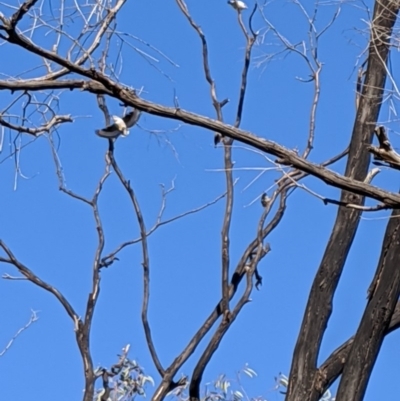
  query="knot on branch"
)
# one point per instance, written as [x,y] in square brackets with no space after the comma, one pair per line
[384,152]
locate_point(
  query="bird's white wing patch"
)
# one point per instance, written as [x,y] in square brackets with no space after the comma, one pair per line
[237,4]
[120,126]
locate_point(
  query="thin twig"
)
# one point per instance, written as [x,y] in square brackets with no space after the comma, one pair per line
[32,320]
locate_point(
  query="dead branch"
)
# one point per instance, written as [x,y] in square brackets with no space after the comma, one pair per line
[36,280]
[310,56]
[249,268]
[206,65]
[332,368]
[145,263]
[83,329]
[285,156]
[227,157]
[385,150]
[236,278]
[228,165]
[32,320]
[109,259]
[56,120]
[143,239]
[250,40]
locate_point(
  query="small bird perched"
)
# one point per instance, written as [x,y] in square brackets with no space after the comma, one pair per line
[217,138]
[237,5]
[264,200]
[120,126]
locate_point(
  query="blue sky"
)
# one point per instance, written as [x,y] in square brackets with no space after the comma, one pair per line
[54,235]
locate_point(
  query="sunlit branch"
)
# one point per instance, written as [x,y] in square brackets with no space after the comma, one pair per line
[286,156]
[32,320]
[47,127]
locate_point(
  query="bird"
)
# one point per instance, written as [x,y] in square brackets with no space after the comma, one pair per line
[237,5]
[265,200]
[120,126]
[217,138]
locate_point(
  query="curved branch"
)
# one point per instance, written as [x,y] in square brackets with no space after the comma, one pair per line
[56,120]
[146,260]
[236,278]
[247,266]
[36,280]
[32,320]
[227,158]
[285,156]
[332,368]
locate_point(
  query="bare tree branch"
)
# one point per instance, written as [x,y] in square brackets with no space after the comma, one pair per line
[228,317]
[332,368]
[285,156]
[385,150]
[166,385]
[56,120]
[108,259]
[227,157]
[32,320]
[143,239]
[19,14]
[36,280]
[145,263]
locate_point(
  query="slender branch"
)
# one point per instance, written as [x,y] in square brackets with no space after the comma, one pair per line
[143,238]
[250,40]
[32,320]
[83,330]
[56,120]
[108,259]
[227,157]
[237,275]
[145,263]
[101,29]
[36,280]
[228,165]
[95,291]
[249,268]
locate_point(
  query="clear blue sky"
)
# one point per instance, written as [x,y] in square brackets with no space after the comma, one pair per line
[55,235]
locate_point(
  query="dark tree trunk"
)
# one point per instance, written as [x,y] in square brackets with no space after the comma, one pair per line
[304,373]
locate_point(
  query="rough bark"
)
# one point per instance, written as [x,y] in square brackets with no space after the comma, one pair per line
[302,384]
[375,321]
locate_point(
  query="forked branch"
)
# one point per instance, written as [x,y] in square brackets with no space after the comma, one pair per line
[304,370]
